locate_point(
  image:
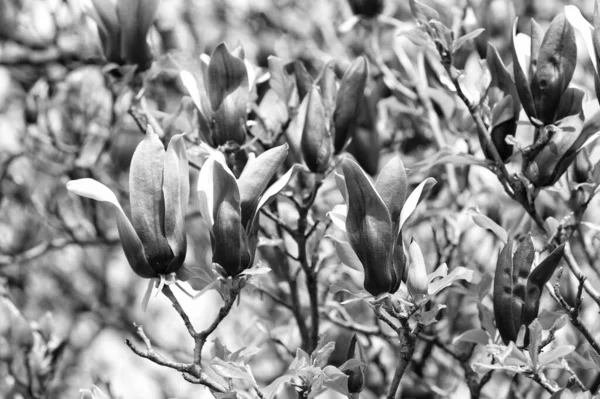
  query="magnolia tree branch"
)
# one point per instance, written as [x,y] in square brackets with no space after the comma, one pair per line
[192,372]
[573,312]
[408,340]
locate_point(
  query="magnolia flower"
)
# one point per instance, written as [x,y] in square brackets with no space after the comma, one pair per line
[356,373]
[154,241]
[565,140]
[220,92]
[373,220]
[123,26]
[543,67]
[230,206]
[517,289]
[330,114]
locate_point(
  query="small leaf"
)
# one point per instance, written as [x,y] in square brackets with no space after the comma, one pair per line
[555,354]
[422,12]
[227,369]
[336,380]
[321,355]
[487,223]
[458,273]
[477,336]
[346,254]
[458,43]
[443,156]
[281,81]
[535,339]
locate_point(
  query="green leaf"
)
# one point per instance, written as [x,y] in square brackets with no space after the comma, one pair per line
[476,335]
[485,222]
[585,29]
[443,156]
[422,12]
[321,354]
[227,369]
[346,254]
[281,81]
[521,80]
[536,282]
[458,43]
[555,354]
[335,380]
[457,274]
[535,340]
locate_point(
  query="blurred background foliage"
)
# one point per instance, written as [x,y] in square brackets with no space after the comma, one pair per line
[68,298]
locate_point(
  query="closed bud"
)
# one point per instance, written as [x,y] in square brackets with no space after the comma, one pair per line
[517,292]
[123,26]
[220,91]
[373,223]
[154,241]
[349,99]
[367,8]
[317,146]
[356,366]
[417,281]
[542,85]
[565,141]
[230,206]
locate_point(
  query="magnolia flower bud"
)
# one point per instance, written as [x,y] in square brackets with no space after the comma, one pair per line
[517,292]
[565,141]
[367,8]
[123,26]
[317,146]
[355,372]
[154,241]
[417,281]
[373,223]
[542,85]
[230,206]
[349,98]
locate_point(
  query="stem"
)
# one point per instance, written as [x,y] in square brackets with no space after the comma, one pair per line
[200,338]
[308,268]
[405,353]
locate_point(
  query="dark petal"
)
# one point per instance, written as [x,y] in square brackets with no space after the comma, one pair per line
[316,143]
[226,74]
[349,99]
[136,17]
[255,178]
[369,229]
[392,186]
[536,281]
[505,310]
[176,190]
[228,232]
[147,203]
[521,80]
